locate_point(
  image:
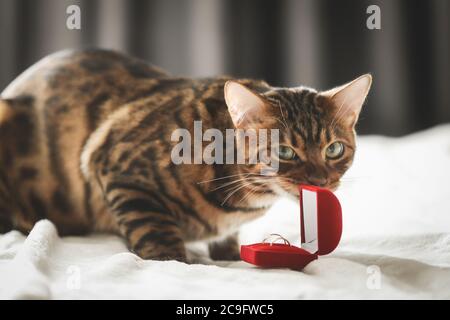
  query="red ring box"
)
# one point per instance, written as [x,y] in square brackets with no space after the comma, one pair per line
[320,232]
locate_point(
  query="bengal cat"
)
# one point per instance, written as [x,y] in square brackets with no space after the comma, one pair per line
[85,142]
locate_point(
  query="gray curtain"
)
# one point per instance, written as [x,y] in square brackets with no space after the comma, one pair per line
[286,42]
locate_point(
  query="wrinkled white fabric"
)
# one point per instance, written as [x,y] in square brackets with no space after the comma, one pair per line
[395,243]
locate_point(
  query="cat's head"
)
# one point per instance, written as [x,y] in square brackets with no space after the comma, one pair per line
[316,130]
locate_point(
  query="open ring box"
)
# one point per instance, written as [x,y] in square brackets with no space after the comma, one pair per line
[320,232]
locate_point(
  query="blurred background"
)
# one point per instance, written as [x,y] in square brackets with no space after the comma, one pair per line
[320,43]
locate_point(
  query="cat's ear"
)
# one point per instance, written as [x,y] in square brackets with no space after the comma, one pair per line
[349,98]
[243,104]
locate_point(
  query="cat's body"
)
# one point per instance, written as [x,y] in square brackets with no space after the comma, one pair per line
[85,142]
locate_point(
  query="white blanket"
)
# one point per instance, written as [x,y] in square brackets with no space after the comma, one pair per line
[395,244]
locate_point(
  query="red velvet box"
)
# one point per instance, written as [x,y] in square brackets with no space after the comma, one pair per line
[320,232]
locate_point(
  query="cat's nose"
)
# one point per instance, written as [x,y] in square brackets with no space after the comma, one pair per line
[318,181]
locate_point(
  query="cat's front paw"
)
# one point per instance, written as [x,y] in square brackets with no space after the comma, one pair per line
[161,254]
[226,256]
[226,250]
[165,257]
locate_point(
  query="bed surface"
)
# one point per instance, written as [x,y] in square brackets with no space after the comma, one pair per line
[395,244]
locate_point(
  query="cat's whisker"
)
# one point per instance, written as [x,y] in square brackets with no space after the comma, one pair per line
[246,177]
[226,177]
[252,191]
[230,183]
[237,185]
[251,181]
[233,192]
[246,194]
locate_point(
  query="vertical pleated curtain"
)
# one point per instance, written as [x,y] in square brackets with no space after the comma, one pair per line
[320,43]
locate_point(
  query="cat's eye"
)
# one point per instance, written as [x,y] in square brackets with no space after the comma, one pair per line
[286,153]
[335,150]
